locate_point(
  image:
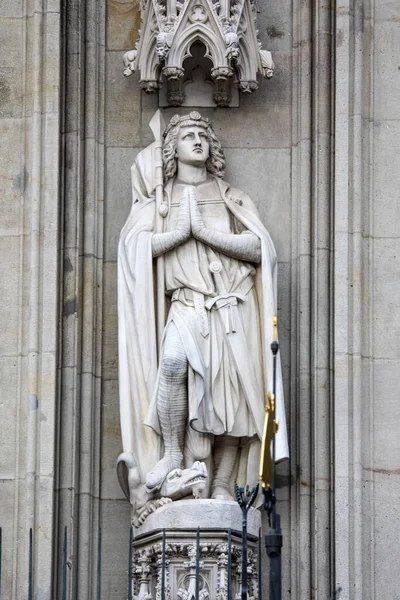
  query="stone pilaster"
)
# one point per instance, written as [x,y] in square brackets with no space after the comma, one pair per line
[29,243]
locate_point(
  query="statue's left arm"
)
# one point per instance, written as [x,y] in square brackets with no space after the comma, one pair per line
[244,246]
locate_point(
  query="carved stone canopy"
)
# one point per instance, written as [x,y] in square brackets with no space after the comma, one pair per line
[218,38]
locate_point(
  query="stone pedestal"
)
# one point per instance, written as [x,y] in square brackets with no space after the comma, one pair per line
[178,535]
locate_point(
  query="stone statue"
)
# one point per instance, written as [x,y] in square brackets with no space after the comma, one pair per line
[197,402]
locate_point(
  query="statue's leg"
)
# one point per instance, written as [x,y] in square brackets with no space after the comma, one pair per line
[171,407]
[225,452]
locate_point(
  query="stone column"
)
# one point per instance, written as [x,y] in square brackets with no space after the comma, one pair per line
[81,299]
[367,275]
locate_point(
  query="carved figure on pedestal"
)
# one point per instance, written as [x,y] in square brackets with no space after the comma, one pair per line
[200,398]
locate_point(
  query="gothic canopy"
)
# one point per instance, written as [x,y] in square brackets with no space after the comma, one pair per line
[222,37]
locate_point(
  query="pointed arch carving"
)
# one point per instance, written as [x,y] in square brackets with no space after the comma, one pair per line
[211,39]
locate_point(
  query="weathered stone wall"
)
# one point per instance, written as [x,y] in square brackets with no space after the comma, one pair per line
[367,280]
[29,242]
[316,149]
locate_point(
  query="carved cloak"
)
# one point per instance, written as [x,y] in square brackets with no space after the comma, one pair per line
[136,314]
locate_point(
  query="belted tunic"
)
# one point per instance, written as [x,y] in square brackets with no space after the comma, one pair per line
[214,307]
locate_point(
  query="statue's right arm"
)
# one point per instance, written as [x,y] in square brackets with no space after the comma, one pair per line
[163,242]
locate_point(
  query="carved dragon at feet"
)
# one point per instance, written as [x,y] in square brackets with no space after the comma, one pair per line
[177,485]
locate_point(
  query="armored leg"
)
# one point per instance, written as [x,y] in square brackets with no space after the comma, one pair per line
[171,407]
[225,452]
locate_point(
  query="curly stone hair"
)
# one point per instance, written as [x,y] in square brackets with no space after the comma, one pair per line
[216,161]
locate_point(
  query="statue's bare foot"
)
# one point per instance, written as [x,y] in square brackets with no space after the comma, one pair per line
[156,476]
[221,493]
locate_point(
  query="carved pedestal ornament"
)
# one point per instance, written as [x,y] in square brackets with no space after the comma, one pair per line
[170,36]
[175,563]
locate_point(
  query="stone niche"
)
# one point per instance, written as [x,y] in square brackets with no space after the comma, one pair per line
[198,52]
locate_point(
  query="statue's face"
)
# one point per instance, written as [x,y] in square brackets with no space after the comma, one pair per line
[193,147]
